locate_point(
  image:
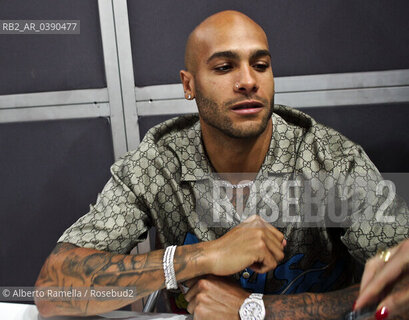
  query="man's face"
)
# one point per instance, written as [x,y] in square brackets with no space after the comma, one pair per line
[233,80]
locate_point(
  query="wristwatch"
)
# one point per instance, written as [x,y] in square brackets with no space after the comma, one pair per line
[253,308]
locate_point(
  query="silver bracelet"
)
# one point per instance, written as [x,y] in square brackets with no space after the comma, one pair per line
[165,266]
[169,268]
[172,283]
[172,268]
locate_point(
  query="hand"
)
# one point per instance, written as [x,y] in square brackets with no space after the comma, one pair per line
[388,282]
[253,243]
[215,298]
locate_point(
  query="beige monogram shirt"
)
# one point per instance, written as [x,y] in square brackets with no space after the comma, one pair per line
[169,183]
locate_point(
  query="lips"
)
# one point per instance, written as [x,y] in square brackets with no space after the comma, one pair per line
[247,107]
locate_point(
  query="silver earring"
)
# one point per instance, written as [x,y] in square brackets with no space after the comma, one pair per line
[189,97]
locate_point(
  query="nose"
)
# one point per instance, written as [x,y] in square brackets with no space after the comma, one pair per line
[246,82]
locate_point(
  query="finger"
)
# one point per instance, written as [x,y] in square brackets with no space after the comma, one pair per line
[257,221]
[272,232]
[374,265]
[200,286]
[264,266]
[261,268]
[396,304]
[276,248]
[273,237]
[386,271]
[191,306]
[266,232]
[388,274]
[266,251]
[191,282]
[252,218]
[277,233]
[371,268]
[276,236]
[265,263]
[262,257]
[193,291]
[198,299]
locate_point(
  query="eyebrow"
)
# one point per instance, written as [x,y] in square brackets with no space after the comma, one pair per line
[223,54]
[233,55]
[260,53]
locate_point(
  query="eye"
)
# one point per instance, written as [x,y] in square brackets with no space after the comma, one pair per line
[261,66]
[223,68]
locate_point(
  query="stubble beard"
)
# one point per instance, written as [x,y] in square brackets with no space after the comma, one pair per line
[210,113]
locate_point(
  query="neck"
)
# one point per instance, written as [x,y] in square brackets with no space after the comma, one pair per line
[236,155]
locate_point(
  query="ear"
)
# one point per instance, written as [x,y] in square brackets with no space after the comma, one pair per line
[188,82]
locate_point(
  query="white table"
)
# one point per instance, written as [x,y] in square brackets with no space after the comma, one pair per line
[16,311]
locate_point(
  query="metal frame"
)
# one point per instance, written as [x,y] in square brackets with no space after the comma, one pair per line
[53,98]
[112,71]
[123,41]
[299,91]
[54,105]
[116,102]
[59,112]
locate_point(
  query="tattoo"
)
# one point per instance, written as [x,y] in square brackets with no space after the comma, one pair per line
[69,266]
[181,263]
[331,305]
[62,247]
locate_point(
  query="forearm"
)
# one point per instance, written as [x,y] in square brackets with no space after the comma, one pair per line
[71,267]
[331,305]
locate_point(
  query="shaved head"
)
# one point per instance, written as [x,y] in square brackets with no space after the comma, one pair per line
[228,63]
[214,27]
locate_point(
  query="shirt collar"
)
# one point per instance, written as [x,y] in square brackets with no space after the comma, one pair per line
[282,153]
[192,156]
[280,158]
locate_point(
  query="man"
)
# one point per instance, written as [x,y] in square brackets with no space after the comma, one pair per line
[166,183]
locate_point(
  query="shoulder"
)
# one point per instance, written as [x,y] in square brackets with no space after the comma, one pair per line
[158,151]
[321,146]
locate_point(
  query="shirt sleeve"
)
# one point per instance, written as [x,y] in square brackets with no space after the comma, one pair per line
[380,218]
[118,221]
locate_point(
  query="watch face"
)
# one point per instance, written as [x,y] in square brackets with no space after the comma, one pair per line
[252,310]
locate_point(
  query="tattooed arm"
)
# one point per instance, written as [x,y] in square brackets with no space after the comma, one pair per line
[217,298]
[253,243]
[330,305]
[69,266]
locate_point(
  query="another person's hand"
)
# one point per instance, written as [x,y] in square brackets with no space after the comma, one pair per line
[215,298]
[253,243]
[386,283]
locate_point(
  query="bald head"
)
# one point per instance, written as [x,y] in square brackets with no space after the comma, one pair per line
[215,28]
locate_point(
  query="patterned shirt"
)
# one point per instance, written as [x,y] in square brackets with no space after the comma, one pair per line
[169,183]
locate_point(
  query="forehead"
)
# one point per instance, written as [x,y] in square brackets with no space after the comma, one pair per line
[242,38]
